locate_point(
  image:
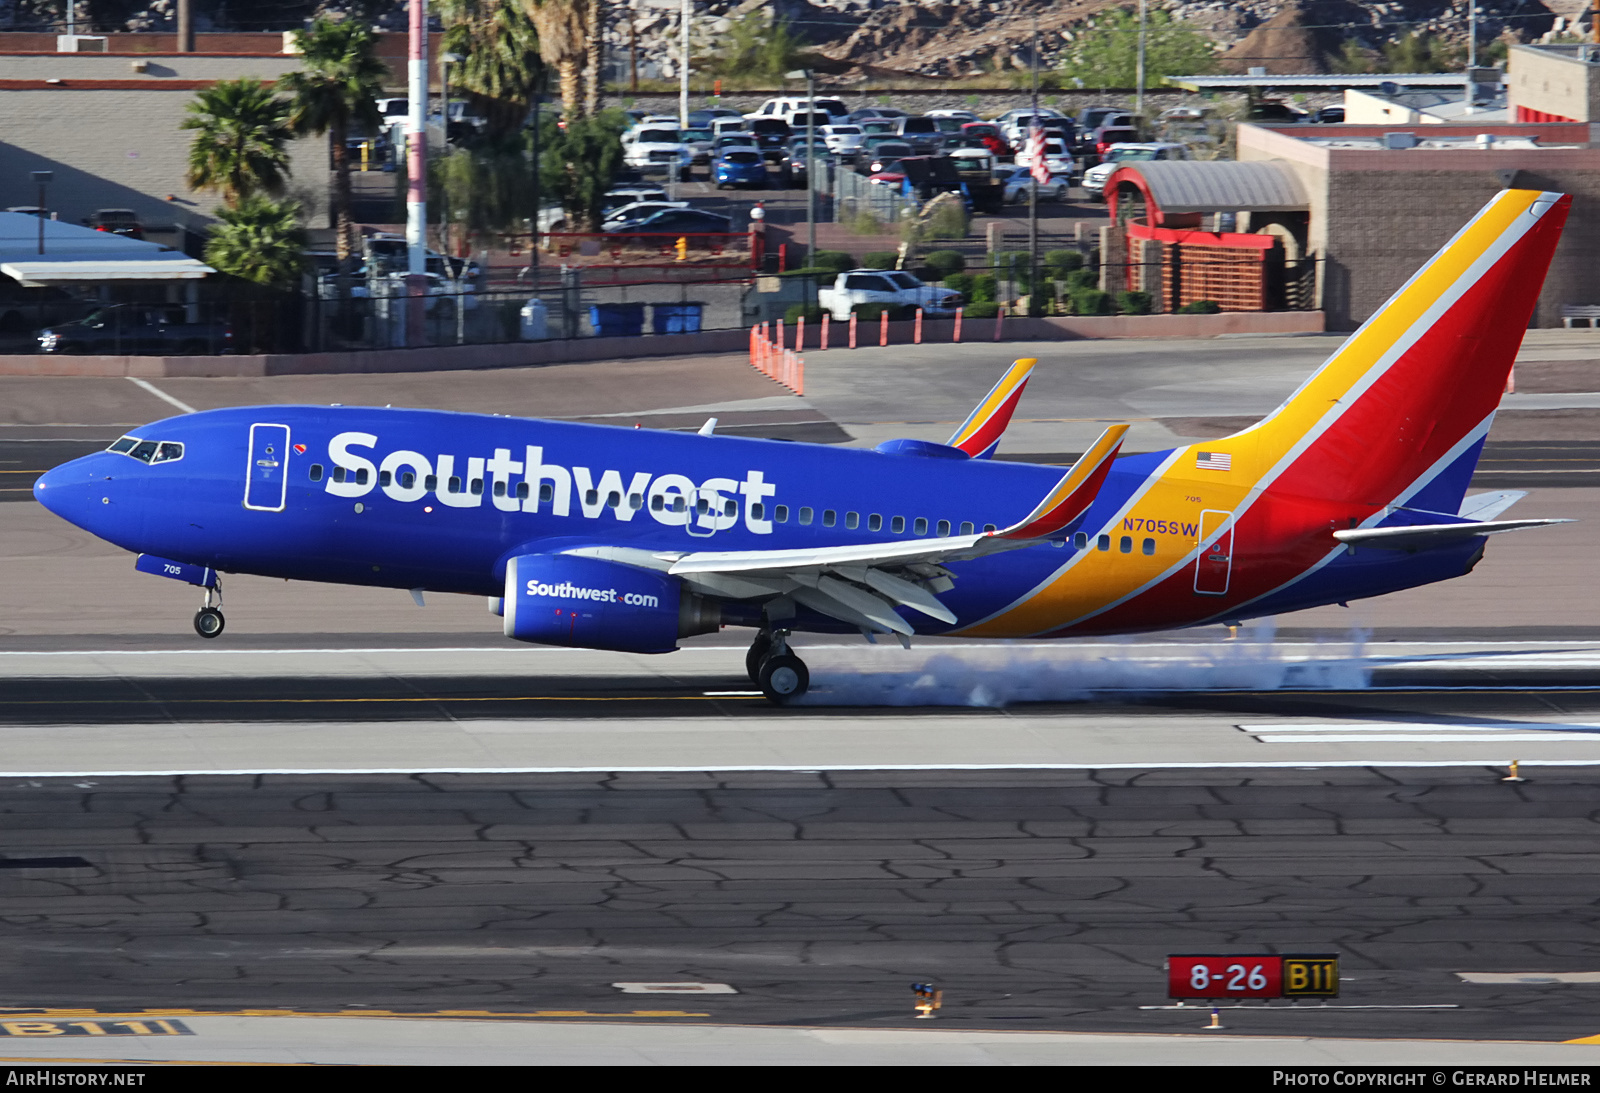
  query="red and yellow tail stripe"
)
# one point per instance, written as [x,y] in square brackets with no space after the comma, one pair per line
[980,434]
[1075,492]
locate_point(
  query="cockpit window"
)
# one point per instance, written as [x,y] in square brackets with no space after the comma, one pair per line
[148,451]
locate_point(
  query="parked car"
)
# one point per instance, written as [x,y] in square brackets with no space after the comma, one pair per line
[746,141]
[842,139]
[922,133]
[867,112]
[739,166]
[1331,115]
[792,167]
[139,329]
[772,135]
[626,195]
[962,115]
[871,161]
[628,214]
[721,127]
[1107,135]
[699,142]
[117,222]
[389,251]
[657,146]
[705,119]
[1056,158]
[28,309]
[696,224]
[1275,110]
[1018,182]
[874,286]
[1094,179]
[976,167]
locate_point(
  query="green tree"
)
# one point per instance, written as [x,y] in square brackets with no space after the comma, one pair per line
[758,47]
[1421,53]
[1106,55]
[238,150]
[579,162]
[259,240]
[562,28]
[503,69]
[334,93]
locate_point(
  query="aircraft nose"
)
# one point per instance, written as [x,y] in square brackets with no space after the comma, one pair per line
[66,490]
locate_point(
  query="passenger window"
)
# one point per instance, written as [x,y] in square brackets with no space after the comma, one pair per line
[454,485]
[829,518]
[1103,543]
[758,511]
[944,527]
[989,527]
[499,488]
[852,520]
[408,479]
[636,501]
[613,500]
[547,491]
[730,508]
[897,525]
[361,477]
[701,506]
[1125,544]
[781,514]
[679,504]
[431,482]
[590,497]
[338,474]
[477,487]
[383,478]
[1080,540]
[966,527]
[658,503]
[805,515]
[316,472]
[875,522]
[1148,546]
[522,491]
[920,527]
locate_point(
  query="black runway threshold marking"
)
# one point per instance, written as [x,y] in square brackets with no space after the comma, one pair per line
[46,863]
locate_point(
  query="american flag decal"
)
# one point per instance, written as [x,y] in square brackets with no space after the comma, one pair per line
[1213,461]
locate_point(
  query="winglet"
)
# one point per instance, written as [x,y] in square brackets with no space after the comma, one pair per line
[980,434]
[1072,495]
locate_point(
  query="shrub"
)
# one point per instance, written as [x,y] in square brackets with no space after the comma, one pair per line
[821,273]
[960,282]
[1090,301]
[811,313]
[864,223]
[872,311]
[987,309]
[1059,263]
[945,262]
[836,260]
[880,259]
[1200,307]
[985,288]
[1082,278]
[1134,303]
[949,221]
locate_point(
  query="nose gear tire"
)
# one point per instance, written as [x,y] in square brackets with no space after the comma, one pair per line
[208,622]
[783,678]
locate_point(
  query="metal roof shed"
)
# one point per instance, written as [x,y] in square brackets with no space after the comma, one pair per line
[73,254]
[1199,186]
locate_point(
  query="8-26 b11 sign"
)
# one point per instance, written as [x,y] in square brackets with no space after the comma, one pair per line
[1191,975]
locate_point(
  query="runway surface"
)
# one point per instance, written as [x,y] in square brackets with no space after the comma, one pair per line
[349,804]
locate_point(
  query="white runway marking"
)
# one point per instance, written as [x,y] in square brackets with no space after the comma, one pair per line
[1422,732]
[160,394]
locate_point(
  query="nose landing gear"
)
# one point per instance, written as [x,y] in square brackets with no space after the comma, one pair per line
[208,621]
[780,674]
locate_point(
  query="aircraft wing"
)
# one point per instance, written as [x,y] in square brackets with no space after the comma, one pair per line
[980,434]
[1421,536]
[862,583]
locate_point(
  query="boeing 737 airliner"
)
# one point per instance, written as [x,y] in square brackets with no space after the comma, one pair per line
[613,538]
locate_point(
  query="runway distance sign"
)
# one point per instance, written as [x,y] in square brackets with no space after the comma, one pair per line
[162,1027]
[1196,975]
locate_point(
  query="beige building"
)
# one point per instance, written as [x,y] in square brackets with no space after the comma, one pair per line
[1554,83]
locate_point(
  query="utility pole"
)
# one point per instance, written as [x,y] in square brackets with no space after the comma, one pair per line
[185,26]
[1138,86]
[417,172]
[683,66]
[633,49]
[1033,181]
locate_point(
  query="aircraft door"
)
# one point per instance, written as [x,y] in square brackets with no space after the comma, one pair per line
[266,481]
[1214,566]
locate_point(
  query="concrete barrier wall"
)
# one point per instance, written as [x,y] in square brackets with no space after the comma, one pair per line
[530,354]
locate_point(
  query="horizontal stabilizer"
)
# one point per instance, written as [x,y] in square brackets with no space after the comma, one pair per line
[1486,506]
[980,434]
[1421,536]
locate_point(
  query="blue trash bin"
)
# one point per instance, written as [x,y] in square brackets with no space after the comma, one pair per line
[676,318]
[617,320]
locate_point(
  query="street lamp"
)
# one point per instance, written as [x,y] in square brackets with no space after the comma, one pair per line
[811,157]
[42,178]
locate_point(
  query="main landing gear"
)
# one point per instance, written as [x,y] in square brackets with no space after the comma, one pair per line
[208,621]
[771,665]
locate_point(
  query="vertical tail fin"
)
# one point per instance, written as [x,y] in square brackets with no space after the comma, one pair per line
[980,434]
[1409,396]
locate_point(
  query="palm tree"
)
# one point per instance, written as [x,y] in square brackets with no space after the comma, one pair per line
[503,69]
[594,57]
[333,93]
[259,240]
[238,149]
[563,28]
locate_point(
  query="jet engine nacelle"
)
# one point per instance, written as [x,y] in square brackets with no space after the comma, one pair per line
[561,599]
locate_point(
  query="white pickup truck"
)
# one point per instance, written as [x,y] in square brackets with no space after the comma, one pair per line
[885,286]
